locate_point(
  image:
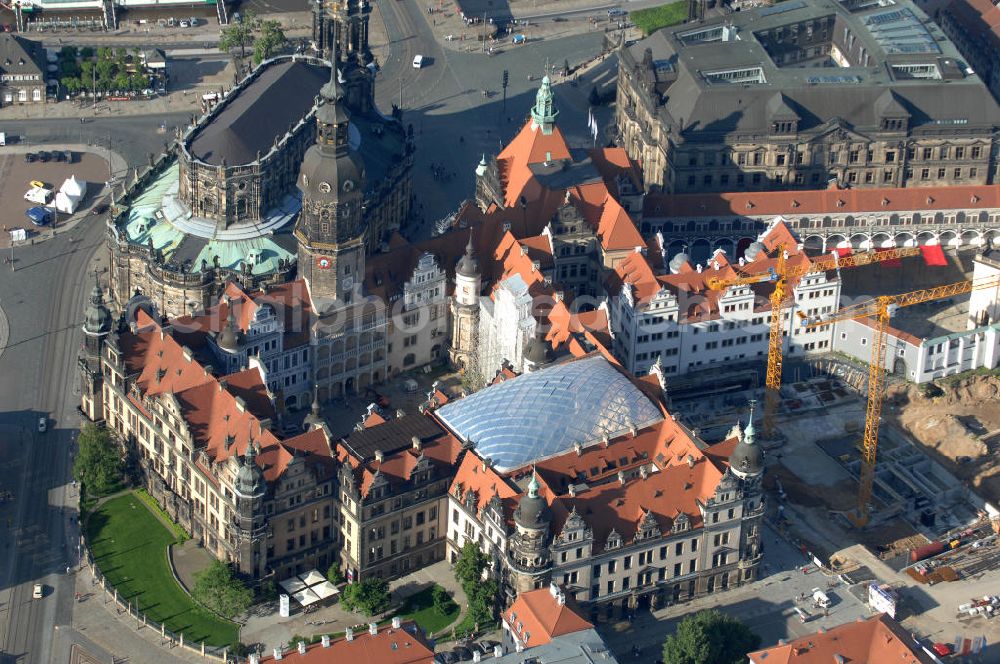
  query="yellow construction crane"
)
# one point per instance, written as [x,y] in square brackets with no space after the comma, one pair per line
[780,275]
[881,310]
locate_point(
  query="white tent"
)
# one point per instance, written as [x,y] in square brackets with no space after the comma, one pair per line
[312,578]
[292,585]
[325,589]
[70,195]
[306,597]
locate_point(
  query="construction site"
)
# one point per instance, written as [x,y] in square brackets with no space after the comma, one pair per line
[925,514]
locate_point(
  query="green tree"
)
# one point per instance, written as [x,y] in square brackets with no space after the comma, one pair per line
[443,603]
[470,565]
[104,53]
[237,35]
[86,52]
[482,600]
[269,40]
[68,52]
[709,637]
[98,464]
[138,81]
[121,81]
[334,575]
[370,596]
[71,83]
[106,69]
[216,588]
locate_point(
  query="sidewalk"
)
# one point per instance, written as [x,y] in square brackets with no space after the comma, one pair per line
[271,631]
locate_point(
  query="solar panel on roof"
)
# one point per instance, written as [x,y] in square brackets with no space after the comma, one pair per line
[781,8]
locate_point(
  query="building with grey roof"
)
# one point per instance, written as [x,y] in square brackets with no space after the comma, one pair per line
[803,93]
[221,204]
[22,71]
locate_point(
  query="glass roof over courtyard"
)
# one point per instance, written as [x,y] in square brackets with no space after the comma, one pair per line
[541,414]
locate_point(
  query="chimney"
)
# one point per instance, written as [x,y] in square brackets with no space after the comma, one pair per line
[605,440]
[578,447]
[379,456]
[560,599]
[572,490]
[417,445]
[690,461]
[349,634]
[373,629]
[277,653]
[254,658]
[397,622]
[553,589]
[487,463]
[326,640]
[643,471]
[302,647]
[621,477]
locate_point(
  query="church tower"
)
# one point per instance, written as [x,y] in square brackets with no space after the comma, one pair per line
[746,464]
[544,113]
[530,544]
[465,309]
[251,531]
[96,326]
[330,233]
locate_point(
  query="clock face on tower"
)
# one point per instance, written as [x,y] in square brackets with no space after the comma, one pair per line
[324,262]
[324,187]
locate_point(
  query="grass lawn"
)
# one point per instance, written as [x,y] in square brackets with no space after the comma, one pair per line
[420,608]
[130,546]
[652,19]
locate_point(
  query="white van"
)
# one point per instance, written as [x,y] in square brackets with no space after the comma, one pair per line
[418,61]
[3,138]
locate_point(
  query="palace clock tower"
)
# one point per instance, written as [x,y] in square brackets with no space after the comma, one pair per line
[330,232]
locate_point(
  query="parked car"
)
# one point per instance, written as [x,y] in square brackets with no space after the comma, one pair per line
[38,215]
[44,156]
[30,157]
[486,647]
[100,208]
[418,61]
[37,183]
[59,155]
[444,658]
[462,654]
[36,591]
[942,649]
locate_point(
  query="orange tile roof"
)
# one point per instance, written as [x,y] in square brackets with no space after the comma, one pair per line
[442,451]
[820,201]
[876,640]
[483,480]
[685,472]
[406,645]
[218,424]
[290,301]
[700,302]
[978,18]
[612,162]
[536,617]
[530,146]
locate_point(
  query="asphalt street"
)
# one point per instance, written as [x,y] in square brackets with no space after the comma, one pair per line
[454,123]
[43,302]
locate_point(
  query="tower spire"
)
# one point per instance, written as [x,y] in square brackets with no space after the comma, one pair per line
[749,433]
[543,113]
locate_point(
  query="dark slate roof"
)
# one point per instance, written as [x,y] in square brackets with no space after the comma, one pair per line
[392,435]
[21,56]
[277,98]
[677,65]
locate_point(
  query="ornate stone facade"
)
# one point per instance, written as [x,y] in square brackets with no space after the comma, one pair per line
[698,119]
